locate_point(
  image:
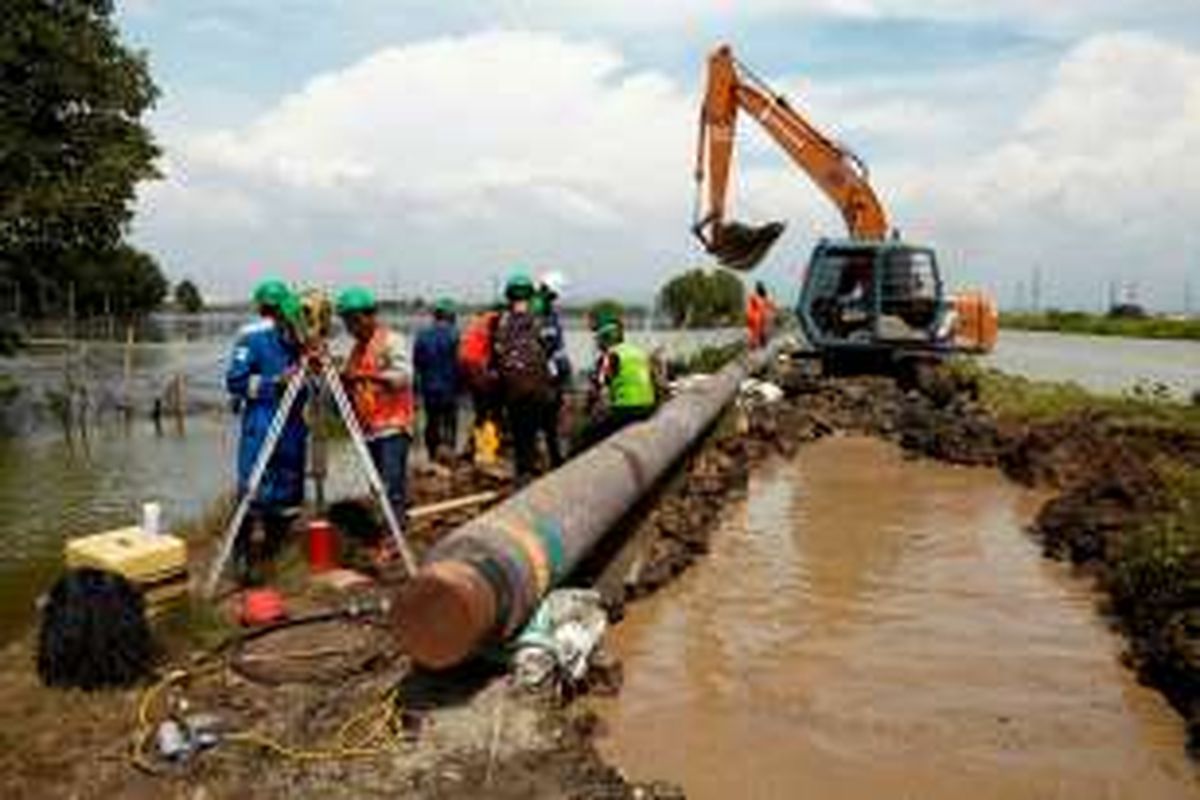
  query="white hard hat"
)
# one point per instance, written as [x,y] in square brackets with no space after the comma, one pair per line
[554,281]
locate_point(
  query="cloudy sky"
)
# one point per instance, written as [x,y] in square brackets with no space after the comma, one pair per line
[424,146]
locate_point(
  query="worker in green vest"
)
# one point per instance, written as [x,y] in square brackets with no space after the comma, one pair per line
[622,383]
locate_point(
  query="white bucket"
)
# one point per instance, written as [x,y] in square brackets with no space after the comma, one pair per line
[151,518]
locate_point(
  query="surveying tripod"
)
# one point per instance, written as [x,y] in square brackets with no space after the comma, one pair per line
[314,366]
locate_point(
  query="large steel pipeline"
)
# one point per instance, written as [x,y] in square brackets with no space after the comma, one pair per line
[481,583]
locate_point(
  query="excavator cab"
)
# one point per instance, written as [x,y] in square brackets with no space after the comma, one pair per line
[862,299]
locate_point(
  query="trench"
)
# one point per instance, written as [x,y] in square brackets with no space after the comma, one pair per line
[867,625]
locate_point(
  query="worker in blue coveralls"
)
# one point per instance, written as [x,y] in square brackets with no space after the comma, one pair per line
[266,356]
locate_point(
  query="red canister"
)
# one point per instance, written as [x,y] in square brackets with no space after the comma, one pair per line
[262,607]
[322,546]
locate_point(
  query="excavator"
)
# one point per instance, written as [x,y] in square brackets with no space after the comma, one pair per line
[869,302]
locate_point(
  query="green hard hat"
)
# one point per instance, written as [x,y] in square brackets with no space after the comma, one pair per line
[610,332]
[605,317]
[355,300]
[443,305]
[519,285]
[291,309]
[271,292]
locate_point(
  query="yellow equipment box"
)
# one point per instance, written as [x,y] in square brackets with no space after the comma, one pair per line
[144,560]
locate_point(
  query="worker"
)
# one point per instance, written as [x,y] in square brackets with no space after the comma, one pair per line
[265,358]
[379,382]
[477,372]
[760,316]
[550,288]
[622,382]
[522,364]
[435,361]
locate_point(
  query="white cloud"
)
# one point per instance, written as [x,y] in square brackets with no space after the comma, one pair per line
[434,165]
[463,151]
[1058,15]
[1097,180]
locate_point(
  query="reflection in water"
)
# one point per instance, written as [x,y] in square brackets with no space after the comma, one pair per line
[868,626]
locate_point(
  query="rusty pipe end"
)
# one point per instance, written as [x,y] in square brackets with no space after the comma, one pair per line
[444,614]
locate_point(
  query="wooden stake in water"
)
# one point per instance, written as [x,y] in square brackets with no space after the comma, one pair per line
[127,375]
[179,401]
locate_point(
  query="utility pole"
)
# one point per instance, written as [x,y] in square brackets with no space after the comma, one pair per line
[1037,288]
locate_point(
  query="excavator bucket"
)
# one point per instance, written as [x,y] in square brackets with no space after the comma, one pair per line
[741,247]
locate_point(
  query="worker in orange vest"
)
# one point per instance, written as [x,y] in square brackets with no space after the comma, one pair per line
[378,380]
[760,316]
[478,372]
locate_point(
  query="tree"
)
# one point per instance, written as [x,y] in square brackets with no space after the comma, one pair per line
[72,150]
[133,280]
[700,298]
[187,297]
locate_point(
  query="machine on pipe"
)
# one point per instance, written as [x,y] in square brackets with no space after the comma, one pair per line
[479,585]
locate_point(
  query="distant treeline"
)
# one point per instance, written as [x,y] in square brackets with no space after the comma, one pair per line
[1079,322]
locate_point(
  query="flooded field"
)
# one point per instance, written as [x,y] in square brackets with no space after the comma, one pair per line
[1106,364]
[871,626]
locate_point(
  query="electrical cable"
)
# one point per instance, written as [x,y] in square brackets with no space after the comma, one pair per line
[351,739]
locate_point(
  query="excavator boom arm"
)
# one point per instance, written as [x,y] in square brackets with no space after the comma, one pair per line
[834,169]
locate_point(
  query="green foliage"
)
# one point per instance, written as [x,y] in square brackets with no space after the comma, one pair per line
[188,298]
[706,360]
[1078,322]
[1156,570]
[1016,397]
[130,279]
[700,298]
[72,150]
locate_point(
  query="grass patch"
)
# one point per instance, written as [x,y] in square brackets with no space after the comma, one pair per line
[706,360]
[1078,322]
[211,522]
[1015,397]
[1155,572]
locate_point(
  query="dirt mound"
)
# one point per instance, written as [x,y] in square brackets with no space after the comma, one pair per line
[570,768]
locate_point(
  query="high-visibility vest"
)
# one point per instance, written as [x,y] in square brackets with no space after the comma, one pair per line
[633,385]
[380,409]
[758,319]
[475,345]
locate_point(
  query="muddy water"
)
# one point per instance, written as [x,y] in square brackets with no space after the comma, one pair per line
[868,626]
